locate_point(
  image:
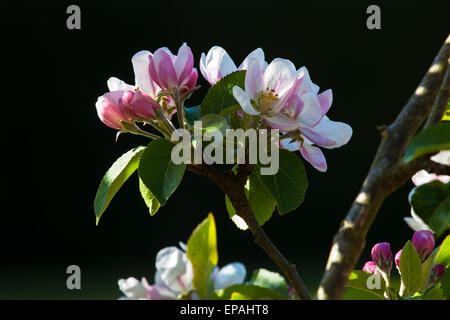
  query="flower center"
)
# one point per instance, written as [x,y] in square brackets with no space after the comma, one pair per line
[266,101]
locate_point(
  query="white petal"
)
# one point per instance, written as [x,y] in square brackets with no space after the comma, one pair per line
[314,156]
[133,288]
[288,145]
[312,111]
[218,64]
[140,63]
[233,273]
[257,54]
[115,84]
[254,80]
[306,85]
[280,75]
[174,269]
[337,131]
[239,222]
[442,157]
[244,100]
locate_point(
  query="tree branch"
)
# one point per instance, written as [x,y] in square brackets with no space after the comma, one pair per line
[233,186]
[387,174]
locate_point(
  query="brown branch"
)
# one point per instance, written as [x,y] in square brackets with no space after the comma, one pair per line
[440,103]
[233,186]
[386,175]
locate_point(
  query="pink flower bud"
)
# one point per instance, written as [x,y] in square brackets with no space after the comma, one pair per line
[138,105]
[171,72]
[437,271]
[370,267]
[423,241]
[382,256]
[108,110]
[397,258]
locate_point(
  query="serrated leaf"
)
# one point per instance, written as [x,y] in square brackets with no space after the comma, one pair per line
[410,269]
[248,290]
[149,199]
[202,252]
[431,202]
[432,139]
[272,280]
[358,279]
[157,171]
[192,114]
[220,95]
[113,180]
[288,186]
[443,255]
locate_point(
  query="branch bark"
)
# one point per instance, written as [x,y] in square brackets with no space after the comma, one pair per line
[233,186]
[387,174]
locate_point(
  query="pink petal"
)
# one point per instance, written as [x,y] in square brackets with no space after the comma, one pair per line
[314,156]
[184,63]
[163,64]
[325,100]
[282,122]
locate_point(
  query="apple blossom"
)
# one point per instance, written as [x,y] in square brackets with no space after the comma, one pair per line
[397,258]
[173,277]
[437,271]
[172,72]
[308,109]
[423,241]
[423,176]
[382,256]
[233,273]
[138,105]
[370,267]
[108,110]
[217,63]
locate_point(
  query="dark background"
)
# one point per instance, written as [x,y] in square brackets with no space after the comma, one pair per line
[56,150]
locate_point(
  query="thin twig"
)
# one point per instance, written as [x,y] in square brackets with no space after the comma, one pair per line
[387,174]
[233,186]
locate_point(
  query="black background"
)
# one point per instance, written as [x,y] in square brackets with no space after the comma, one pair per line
[56,150]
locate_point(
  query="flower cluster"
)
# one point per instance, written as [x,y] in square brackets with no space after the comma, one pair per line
[276,95]
[174,275]
[383,259]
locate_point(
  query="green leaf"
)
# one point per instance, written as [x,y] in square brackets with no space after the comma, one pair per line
[259,198]
[431,202]
[239,296]
[192,114]
[220,95]
[431,139]
[443,255]
[434,293]
[150,200]
[410,270]
[113,180]
[426,269]
[231,109]
[445,284]
[249,290]
[214,122]
[272,280]
[157,171]
[234,121]
[358,279]
[202,252]
[288,186]
[446,116]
